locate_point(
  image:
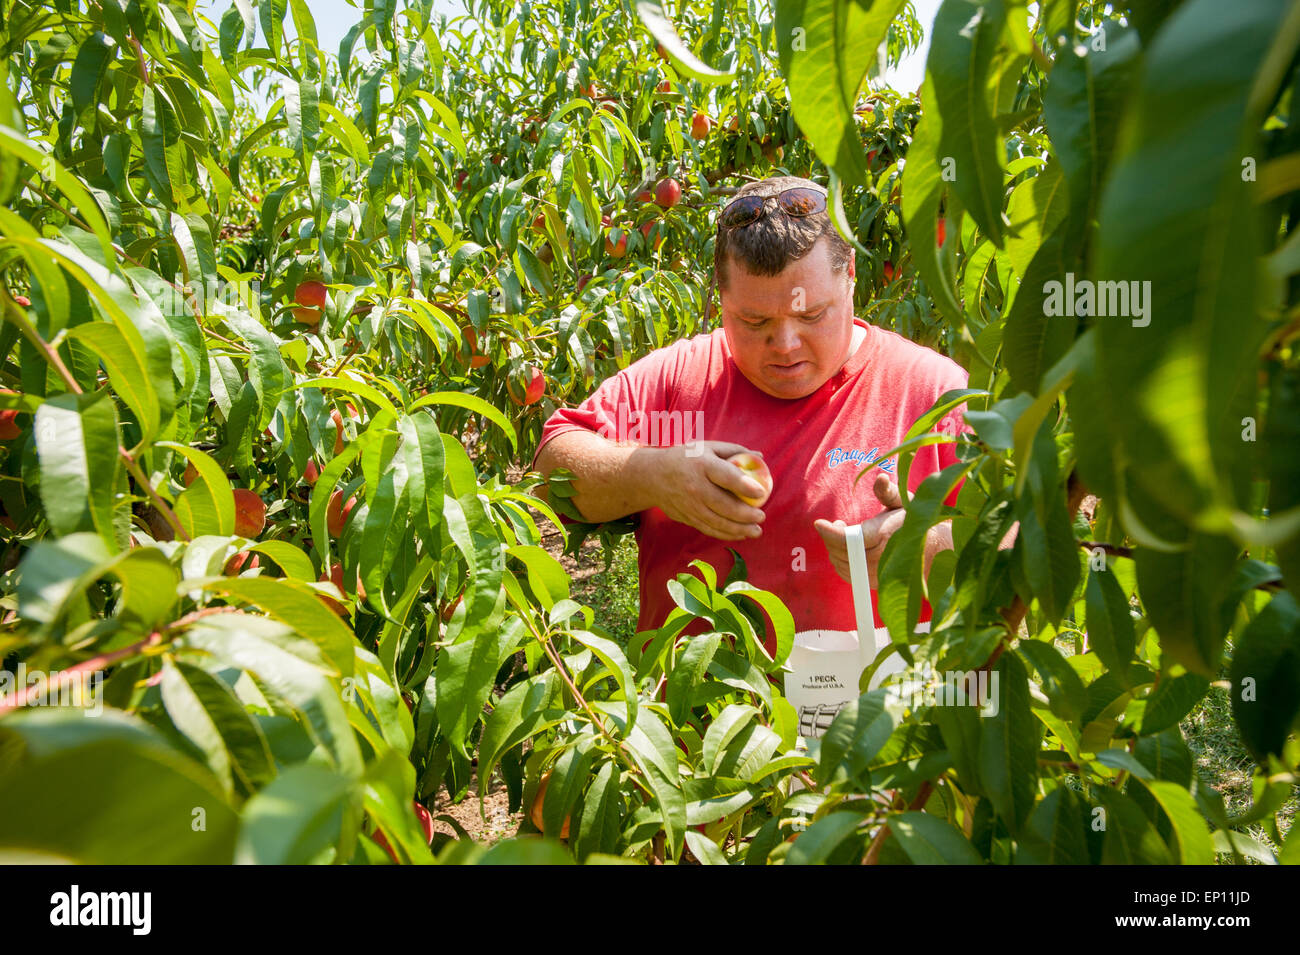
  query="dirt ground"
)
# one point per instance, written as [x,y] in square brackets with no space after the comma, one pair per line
[500,823]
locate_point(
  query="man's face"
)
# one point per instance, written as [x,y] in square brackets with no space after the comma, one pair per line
[789,333]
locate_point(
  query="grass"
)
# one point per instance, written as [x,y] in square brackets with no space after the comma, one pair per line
[614,594]
[1221,760]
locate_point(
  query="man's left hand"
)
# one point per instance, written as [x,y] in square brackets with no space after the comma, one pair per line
[877,531]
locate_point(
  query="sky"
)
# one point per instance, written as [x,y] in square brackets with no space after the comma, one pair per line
[335,17]
[907,76]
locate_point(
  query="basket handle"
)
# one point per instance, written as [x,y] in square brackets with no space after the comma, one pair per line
[860,580]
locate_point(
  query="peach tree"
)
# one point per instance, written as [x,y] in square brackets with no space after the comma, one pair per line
[271,378]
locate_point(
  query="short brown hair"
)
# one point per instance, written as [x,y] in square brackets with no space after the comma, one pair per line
[767,246]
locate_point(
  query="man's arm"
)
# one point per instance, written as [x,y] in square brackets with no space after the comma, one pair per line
[692,484]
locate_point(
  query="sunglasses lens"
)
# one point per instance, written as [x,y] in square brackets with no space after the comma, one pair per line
[742,211]
[794,202]
[802,202]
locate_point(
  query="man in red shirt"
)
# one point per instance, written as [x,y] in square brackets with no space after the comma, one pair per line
[791,375]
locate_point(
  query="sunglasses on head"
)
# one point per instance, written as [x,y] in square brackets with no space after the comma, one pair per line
[739,212]
[799,201]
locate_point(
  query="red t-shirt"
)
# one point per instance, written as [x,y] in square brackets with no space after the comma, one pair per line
[814,447]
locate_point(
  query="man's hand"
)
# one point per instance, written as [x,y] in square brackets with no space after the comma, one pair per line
[877,531]
[691,483]
[697,486]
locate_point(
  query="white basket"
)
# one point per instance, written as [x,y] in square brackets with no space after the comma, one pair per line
[827,664]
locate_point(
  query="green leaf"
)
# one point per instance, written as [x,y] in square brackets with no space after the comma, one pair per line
[929,840]
[962,48]
[1037,206]
[1049,555]
[923,188]
[611,654]
[1060,681]
[657,22]
[855,736]
[1082,105]
[466,673]
[527,708]
[1282,466]
[209,714]
[523,850]
[782,623]
[901,564]
[1184,594]
[94,55]
[826,48]
[1186,380]
[815,844]
[546,575]
[358,388]
[77,445]
[207,506]
[1265,678]
[1055,833]
[474,404]
[256,644]
[49,168]
[686,676]
[306,815]
[1191,835]
[1035,338]
[1130,838]
[1110,625]
[705,849]
[107,791]
[55,574]
[289,558]
[1009,744]
[598,827]
[298,605]
[1171,700]
[721,731]
[1166,755]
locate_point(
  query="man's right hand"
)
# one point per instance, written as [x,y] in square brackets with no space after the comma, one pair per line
[697,486]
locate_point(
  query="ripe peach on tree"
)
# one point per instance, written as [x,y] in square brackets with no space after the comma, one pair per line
[9,428]
[250,513]
[334,576]
[470,350]
[535,813]
[531,391]
[668,193]
[244,560]
[310,297]
[652,231]
[701,124]
[616,243]
[336,513]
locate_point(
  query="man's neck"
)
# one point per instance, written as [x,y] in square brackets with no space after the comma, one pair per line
[859,336]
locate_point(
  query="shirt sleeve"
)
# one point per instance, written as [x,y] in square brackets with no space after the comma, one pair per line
[645,385]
